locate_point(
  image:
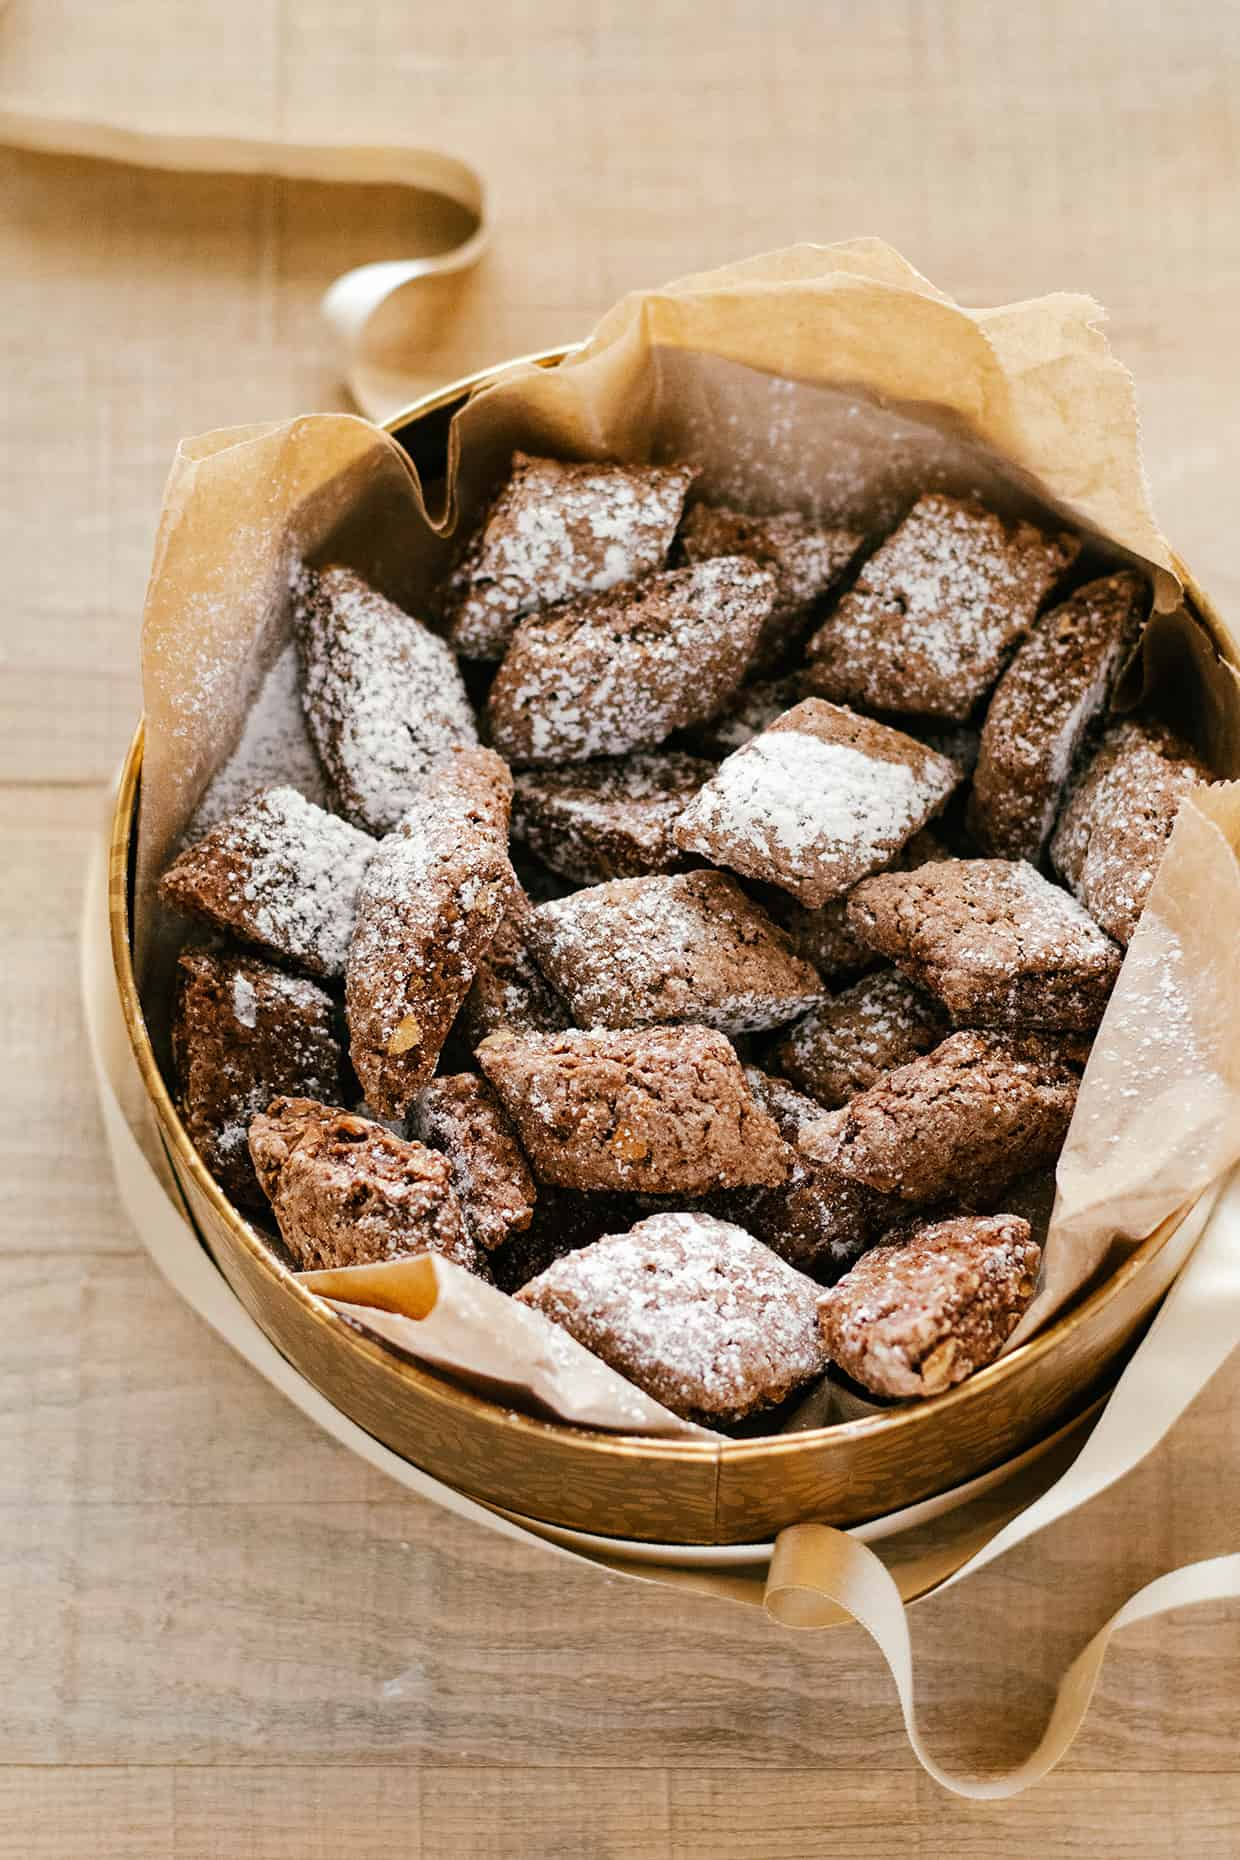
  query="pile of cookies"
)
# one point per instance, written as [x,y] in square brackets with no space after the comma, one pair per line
[721,982]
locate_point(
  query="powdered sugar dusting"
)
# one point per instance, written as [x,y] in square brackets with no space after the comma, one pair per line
[693,1310]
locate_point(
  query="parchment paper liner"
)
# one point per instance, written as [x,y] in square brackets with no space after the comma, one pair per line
[837,380]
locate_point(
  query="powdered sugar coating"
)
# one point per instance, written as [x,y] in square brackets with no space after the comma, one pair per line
[274,750]
[660,1110]
[805,559]
[607,819]
[621,670]
[995,941]
[244,1033]
[461,1117]
[280,873]
[347,1192]
[934,612]
[931,1304]
[1114,830]
[433,899]
[690,947]
[555,531]
[1045,703]
[691,1309]
[383,695]
[816,801]
[847,1044]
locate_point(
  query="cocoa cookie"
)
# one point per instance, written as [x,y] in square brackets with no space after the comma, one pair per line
[956,1124]
[383,695]
[692,1310]
[509,989]
[1113,832]
[1048,699]
[242,1034]
[848,1043]
[691,947]
[931,1303]
[608,819]
[805,559]
[620,671]
[554,531]
[279,873]
[995,941]
[822,937]
[936,610]
[663,1110]
[346,1192]
[816,801]
[462,1118]
[433,898]
[818,1220]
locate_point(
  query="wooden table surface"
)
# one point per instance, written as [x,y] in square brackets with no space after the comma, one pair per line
[222,1635]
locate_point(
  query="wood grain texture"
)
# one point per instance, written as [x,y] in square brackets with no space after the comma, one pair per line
[222,1635]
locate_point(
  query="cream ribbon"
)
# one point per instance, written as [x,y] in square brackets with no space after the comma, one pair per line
[816,1574]
[353,305]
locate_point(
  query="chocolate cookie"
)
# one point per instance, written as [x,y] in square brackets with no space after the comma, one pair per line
[555,531]
[509,989]
[242,1034]
[461,1116]
[382,694]
[620,671]
[279,873]
[936,610]
[433,898]
[1048,699]
[931,1303]
[956,1124]
[822,937]
[817,801]
[663,1111]
[1113,832]
[692,1310]
[995,941]
[805,559]
[593,821]
[692,947]
[849,1042]
[346,1192]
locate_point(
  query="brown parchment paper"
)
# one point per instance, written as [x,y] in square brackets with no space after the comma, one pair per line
[839,381]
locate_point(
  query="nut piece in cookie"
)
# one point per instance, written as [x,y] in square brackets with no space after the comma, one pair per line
[244,1033]
[847,1044]
[553,532]
[1114,830]
[462,1118]
[592,821]
[804,558]
[931,1303]
[1043,707]
[509,989]
[647,951]
[346,1192]
[620,671]
[958,1123]
[279,873]
[817,801]
[661,1110]
[383,695]
[433,898]
[936,610]
[691,1309]
[995,941]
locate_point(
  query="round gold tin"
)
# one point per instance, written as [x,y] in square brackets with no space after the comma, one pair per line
[657,1491]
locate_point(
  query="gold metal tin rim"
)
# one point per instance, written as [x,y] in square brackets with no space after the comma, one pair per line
[911,1420]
